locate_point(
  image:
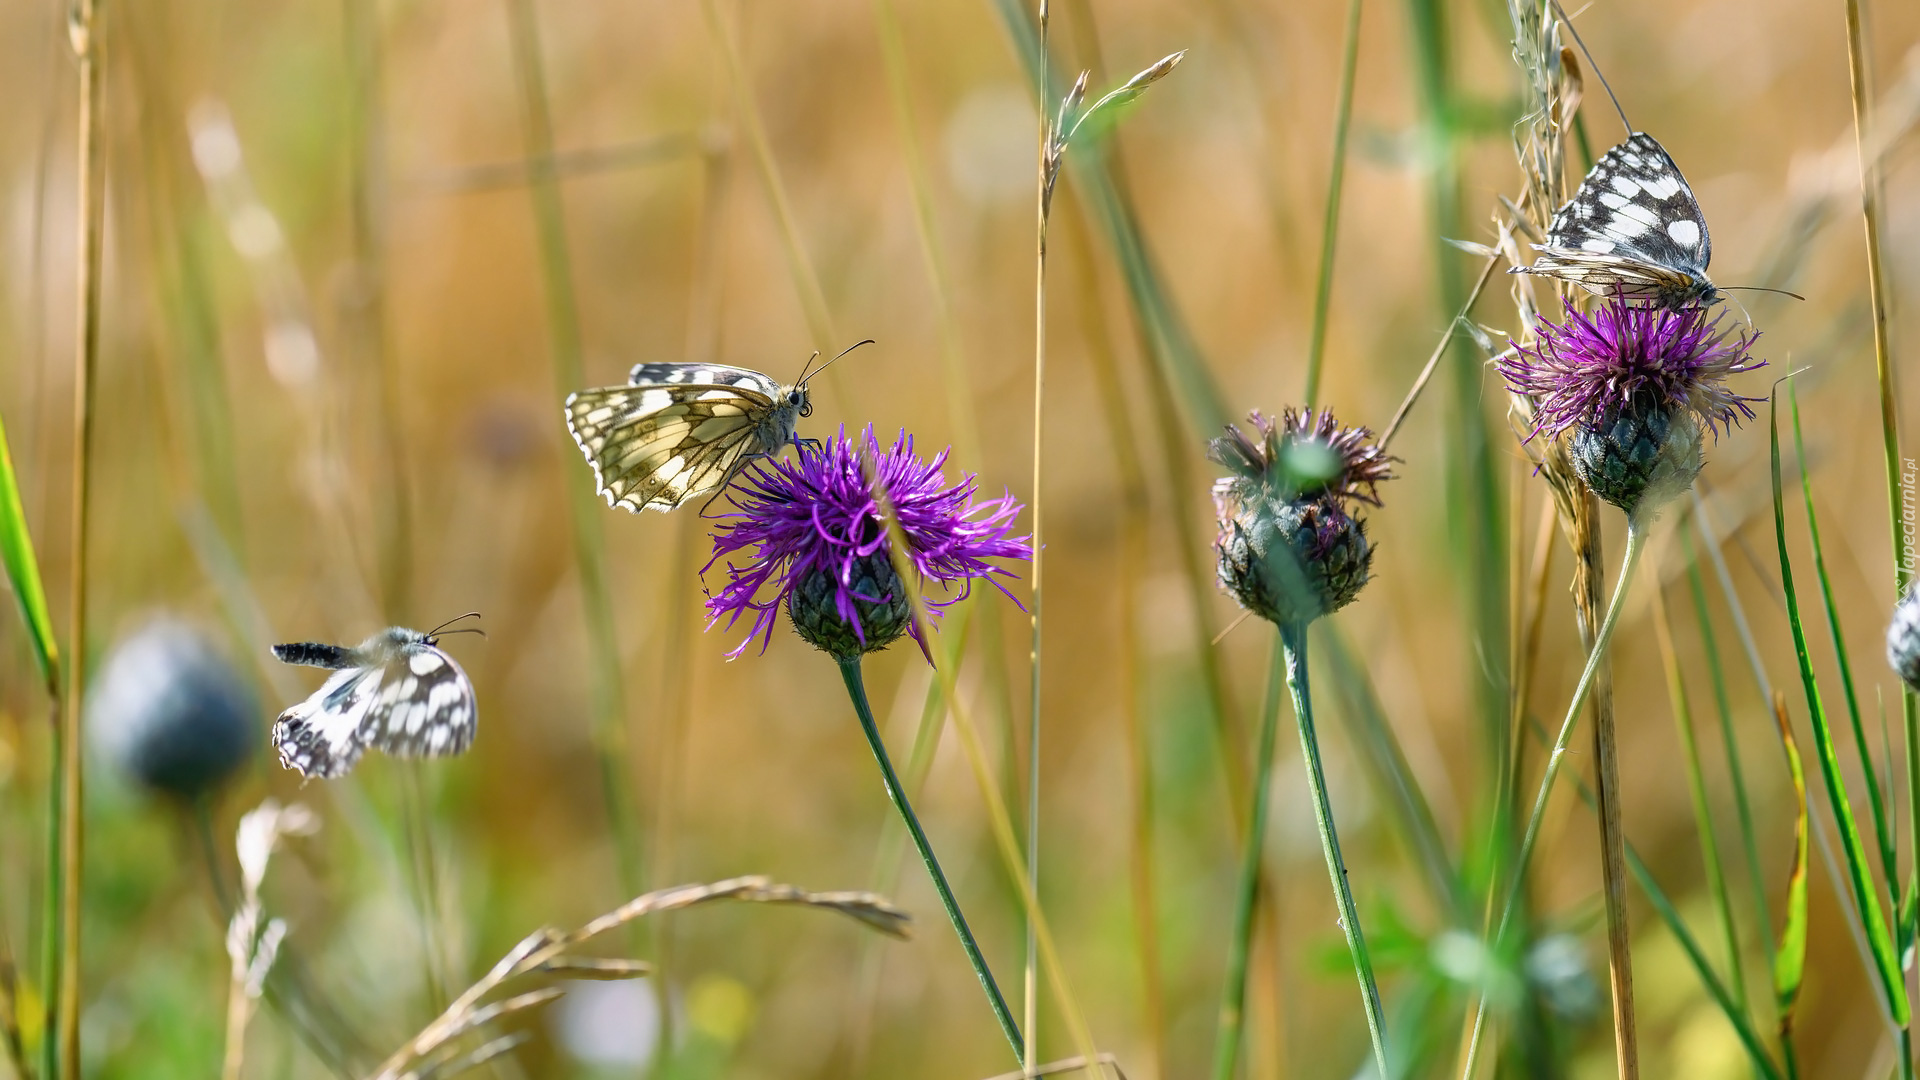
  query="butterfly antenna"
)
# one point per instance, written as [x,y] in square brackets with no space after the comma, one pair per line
[455,619]
[805,375]
[1761,288]
[804,368]
[1567,21]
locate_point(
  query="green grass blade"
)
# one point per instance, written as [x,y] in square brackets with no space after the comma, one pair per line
[23,573]
[1662,906]
[1723,705]
[1389,772]
[1697,793]
[1749,1039]
[1865,895]
[1881,830]
[1790,956]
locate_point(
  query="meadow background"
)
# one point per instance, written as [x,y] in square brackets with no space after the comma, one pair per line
[328,398]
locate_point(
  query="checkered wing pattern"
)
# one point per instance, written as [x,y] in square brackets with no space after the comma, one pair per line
[1634,229]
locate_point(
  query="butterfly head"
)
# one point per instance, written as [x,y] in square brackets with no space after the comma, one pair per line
[797,394]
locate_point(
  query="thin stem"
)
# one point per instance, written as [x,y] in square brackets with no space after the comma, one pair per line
[857,692]
[1226,1046]
[563,328]
[1030,974]
[64,995]
[1330,228]
[1636,541]
[1294,640]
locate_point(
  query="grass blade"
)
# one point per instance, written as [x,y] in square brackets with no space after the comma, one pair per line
[23,573]
[1882,832]
[1790,956]
[1865,895]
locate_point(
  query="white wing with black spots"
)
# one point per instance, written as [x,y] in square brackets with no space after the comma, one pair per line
[425,706]
[1634,229]
[321,736]
[396,692]
[679,430]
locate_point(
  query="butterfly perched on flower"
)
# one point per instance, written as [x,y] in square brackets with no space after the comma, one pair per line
[1633,230]
[680,430]
[396,691]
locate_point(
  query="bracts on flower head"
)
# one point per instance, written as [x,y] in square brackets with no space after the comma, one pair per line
[1903,639]
[1289,548]
[818,543]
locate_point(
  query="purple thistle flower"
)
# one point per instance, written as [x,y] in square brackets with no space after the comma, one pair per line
[820,546]
[1623,353]
[1289,548]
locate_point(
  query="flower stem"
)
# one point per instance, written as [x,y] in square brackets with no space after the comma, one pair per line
[1226,1047]
[1294,640]
[857,692]
[1636,542]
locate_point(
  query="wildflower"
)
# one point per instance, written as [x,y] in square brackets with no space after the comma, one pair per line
[1290,549]
[820,546]
[1903,639]
[171,712]
[1637,387]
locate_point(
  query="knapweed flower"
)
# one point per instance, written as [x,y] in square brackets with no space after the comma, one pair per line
[820,545]
[1289,548]
[169,710]
[1903,639]
[1636,388]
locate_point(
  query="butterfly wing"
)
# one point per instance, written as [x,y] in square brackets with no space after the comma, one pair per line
[656,444]
[424,707]
[1633,228]
[322,735]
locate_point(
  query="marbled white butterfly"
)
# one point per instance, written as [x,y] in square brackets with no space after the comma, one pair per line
[395,691]
[1633,230]
[680,430]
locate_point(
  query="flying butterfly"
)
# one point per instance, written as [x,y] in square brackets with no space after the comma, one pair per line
[395,691]
[1633,230]
[680,430]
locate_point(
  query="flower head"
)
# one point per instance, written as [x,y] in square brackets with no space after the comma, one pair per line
[169,710]
[820,544]
[1625,353]
[1903,639]
[1289,547]
[1636,387]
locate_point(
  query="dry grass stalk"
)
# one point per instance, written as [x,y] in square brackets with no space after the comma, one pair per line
[1065,1065]
[253,940]
[433,1052]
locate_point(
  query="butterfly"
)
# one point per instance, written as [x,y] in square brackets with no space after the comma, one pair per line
[1633,230]
[680,430]
[395,691]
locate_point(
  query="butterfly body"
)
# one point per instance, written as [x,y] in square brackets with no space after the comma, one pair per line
[396,691]
[1634,230]
[680,430]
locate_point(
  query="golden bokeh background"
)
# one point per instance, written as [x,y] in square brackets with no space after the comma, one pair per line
[328,399]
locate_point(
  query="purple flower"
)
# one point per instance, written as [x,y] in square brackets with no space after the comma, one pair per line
[1289,548]
[820,547]
[1624,355]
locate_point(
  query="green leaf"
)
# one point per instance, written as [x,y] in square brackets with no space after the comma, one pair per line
[1790,957]
[23,572]
[1865,894]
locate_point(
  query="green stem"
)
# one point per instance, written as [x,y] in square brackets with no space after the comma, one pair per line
[1330,228]
[857,691]
[1294,640]
[1636,541]
[1226,1047]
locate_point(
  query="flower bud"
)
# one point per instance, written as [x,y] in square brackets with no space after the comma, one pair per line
[880,613]
[1638,456]
[1292,561]
[1903,639]
[170,711]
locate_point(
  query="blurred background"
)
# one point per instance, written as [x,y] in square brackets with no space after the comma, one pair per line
[357,252]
